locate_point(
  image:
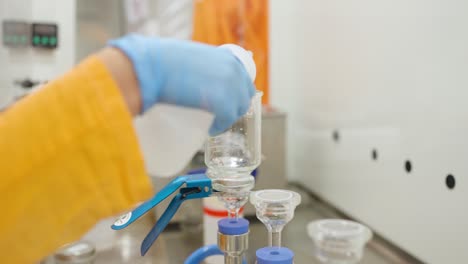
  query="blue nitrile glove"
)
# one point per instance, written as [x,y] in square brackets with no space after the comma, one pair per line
[189,74]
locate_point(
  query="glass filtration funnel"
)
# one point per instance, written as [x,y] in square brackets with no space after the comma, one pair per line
[233,155]
[275,208]
[338,241]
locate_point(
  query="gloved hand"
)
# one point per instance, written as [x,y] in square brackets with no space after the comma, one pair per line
[189,74]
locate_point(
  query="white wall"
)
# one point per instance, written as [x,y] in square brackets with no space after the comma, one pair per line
[390,75]
[284,58]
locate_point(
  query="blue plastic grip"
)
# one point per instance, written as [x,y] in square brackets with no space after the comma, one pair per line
[159,197]
[274,255]
[231,226]
[161,224]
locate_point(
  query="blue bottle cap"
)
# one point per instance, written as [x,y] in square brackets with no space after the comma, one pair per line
[275,255]
[231,226]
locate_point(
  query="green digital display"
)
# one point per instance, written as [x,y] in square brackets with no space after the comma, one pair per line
[23,34]
[53,41]
[15,33]
[36,40]
[44,35]
[44,40]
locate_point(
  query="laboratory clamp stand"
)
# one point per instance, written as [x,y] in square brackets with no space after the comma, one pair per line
[230,157]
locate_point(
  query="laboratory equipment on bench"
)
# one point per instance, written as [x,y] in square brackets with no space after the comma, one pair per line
[271,173]
[233,239]
[231,157]
[213,211]
[338,241]
[232,188]
[275,208]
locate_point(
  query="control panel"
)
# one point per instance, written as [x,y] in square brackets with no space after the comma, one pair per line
[16,33]
[44,35]
[24,34]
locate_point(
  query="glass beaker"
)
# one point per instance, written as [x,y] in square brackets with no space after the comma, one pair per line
[338,241]
[233,155]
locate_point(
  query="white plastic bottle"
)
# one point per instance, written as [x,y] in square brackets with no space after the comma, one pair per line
[170,135]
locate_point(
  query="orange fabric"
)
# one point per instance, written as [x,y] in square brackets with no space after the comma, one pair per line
[68,157]
[242,22]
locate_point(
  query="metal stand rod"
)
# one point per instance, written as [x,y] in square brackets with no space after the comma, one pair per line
[233,247]
[232,259]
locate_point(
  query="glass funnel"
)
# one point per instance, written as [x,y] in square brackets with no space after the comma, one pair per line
[233,155]
[275,208]
[338,241]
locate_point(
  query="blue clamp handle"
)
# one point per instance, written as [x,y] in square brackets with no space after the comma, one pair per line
[196,186]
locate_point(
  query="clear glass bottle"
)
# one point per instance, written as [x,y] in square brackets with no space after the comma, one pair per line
[233,155]
[237,151]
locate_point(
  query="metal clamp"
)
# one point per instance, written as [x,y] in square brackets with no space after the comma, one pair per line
[196,186]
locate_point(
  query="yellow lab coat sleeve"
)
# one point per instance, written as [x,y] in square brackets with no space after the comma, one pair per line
[69,157]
